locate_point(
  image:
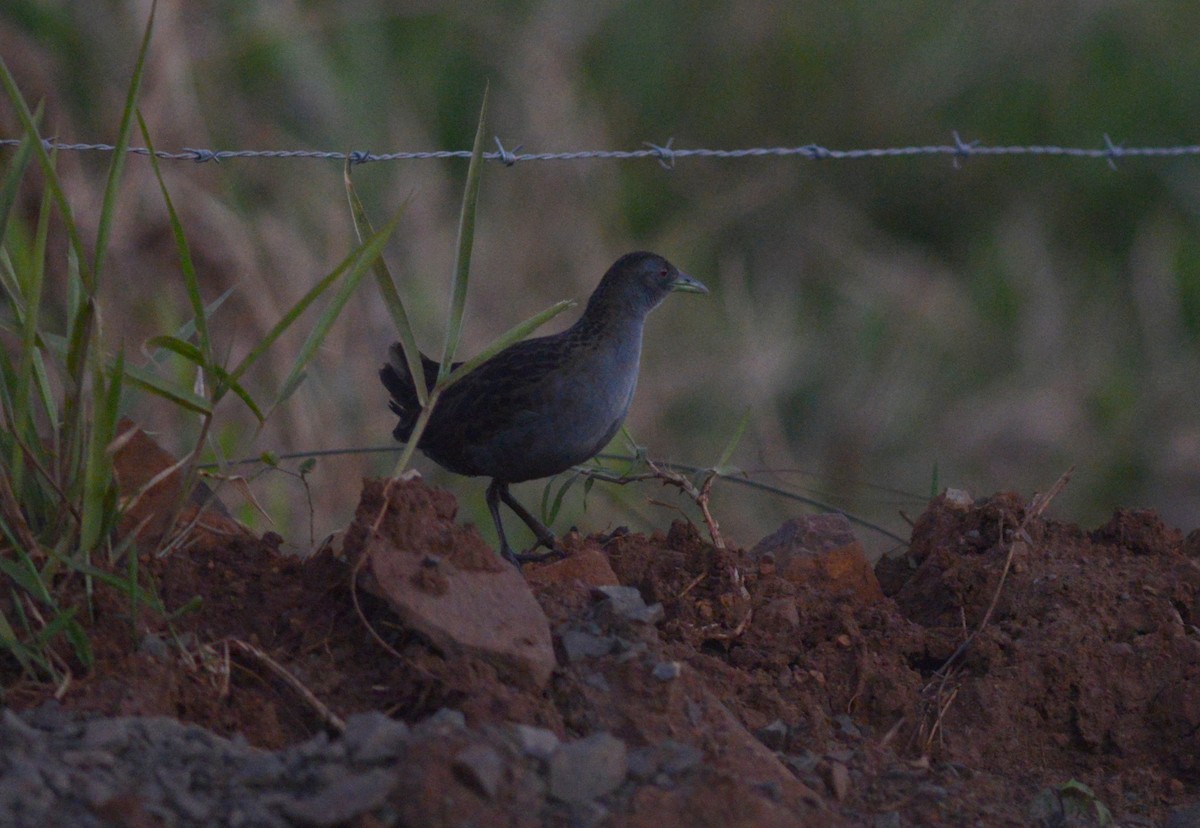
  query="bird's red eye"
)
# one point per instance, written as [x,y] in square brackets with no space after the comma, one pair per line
[663,273]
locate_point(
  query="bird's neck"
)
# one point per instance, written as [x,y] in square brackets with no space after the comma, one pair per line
[611,317]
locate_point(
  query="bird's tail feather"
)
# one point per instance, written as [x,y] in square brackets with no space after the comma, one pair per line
[399,383]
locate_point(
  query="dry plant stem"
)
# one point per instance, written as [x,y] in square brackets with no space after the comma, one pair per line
[700,496]
[328,717]
[1021,538]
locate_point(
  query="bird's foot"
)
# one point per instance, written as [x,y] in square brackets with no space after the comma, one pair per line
[553,553]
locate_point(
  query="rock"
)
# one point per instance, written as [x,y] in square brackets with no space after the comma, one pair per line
[481,768]
[589,566]
[774,735]
[626,603]
[588,769]
[445,718]
[579,645]
[837,777]
[820,550]
[350,796]
[667,757]
[446,583]
[667,670]
[373,738]
[535,742]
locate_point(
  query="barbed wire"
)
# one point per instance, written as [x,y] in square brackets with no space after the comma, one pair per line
[665,154]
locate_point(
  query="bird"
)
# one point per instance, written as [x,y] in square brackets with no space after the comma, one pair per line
[545,404]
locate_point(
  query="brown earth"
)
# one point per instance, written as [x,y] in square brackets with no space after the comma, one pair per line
[814,697]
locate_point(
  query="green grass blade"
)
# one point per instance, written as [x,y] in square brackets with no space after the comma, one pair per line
[109,202]
[370,250]
[466,239]
[387,289]
[722,464]
[11,187]
[25,382]
[371,254]
[509,337]
[156,385]
[98,513]
[190,282]
[180,347]
[29,125]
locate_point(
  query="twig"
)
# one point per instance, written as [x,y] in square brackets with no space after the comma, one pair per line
[1020,537]
[327,716]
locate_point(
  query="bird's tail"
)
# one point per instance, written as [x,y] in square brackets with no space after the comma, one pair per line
[398,381]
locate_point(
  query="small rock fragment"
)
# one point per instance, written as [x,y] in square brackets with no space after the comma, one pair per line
[535,742]
[837,777]
[667,670]
[347,798]
[588,769]
[481,768]
[774,735]
[372,737]
[579,645]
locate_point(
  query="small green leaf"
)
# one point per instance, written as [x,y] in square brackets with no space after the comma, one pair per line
[371,252]
[509,337]
[119,154]
[466,240]
[387,290]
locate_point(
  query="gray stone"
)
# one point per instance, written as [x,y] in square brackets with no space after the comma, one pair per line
[373,738]
[626,602]
[481,768]
[847,726]
[352,795]
[579,645]
[107,733]
[17,731]
[445,719]
[588,769]
[679,757]
[623,599]
[259,769]
[774,735]
[667,670]
[535,742]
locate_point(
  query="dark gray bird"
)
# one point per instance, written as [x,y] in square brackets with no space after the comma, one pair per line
[543,405]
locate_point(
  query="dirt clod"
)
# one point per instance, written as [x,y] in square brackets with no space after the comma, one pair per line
[1006,655]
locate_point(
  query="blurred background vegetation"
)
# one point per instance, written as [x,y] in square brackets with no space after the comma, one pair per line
[892,325]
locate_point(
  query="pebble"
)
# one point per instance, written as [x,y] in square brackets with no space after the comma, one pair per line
[535,742]
[579,645]
[774,735]
[353,795]
[481,768]
[626,602]
[588,768]
[667,670]
[373,738]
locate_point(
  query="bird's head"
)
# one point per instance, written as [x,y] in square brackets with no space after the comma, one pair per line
[640,281]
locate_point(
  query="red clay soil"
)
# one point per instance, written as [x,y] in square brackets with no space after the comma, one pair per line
[1083,664]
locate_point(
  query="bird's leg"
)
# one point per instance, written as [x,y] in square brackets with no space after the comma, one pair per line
[496,491]
[545,536]
[499,491]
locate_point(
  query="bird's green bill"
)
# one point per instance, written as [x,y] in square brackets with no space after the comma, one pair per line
[687,284]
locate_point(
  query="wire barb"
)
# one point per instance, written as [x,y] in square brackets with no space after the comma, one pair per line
[505,157]
[666,155]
